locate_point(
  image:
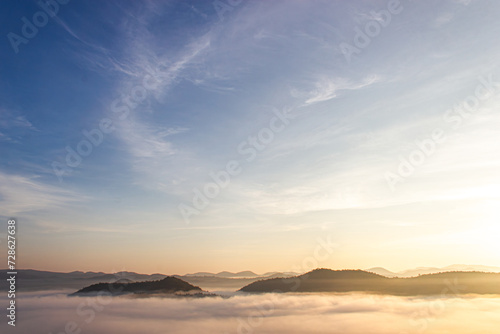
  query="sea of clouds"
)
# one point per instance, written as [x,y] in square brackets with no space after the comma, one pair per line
[54,312]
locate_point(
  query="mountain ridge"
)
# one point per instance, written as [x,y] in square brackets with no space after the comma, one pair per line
[327,280]
[432,270]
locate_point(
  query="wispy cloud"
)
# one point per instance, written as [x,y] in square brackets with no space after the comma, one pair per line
[328,88]
[22,194]
[16,122]
[11,123]
[146,141]
[150,144]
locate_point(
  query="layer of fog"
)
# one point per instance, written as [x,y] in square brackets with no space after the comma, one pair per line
[51,312]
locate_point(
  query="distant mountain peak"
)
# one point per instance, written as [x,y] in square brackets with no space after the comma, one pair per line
[382,271]
[323,273]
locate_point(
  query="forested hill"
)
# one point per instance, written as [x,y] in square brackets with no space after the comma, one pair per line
[169,285]
[326,280]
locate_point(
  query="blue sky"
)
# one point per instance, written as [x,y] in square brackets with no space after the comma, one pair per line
[182,87]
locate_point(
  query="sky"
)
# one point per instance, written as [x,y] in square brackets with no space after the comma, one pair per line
[185,136]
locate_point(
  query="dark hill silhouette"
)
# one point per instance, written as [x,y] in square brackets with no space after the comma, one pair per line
[168,285]
[246,273]
[35,280]
[326,280]
[321,274]
[228,274]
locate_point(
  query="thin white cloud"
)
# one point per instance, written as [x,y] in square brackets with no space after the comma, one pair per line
[150,144]
[145,141]
[11,120]
[21,194]
[327,88]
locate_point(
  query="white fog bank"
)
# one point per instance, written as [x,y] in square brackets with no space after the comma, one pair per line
[270,313]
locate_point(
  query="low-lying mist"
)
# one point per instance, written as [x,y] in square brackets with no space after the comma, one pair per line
[54,312]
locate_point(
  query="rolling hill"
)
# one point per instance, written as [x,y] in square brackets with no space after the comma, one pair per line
[168,285]
[326,280]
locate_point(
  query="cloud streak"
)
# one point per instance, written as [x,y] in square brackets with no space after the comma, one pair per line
[21,194]
[327,89]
